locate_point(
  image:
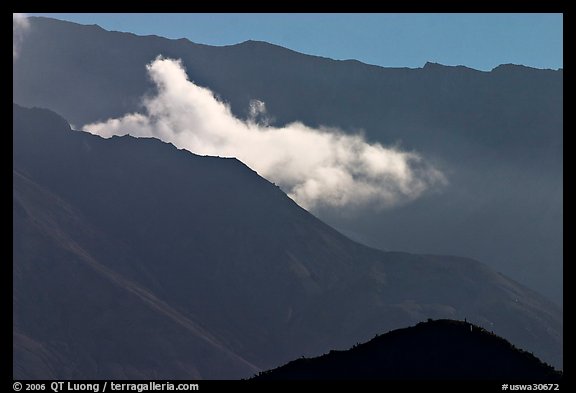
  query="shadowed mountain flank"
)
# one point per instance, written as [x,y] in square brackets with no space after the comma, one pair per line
[133,259]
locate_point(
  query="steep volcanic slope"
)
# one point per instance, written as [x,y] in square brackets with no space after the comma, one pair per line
[76,318]
[497,135]
[205,247]
[442,349]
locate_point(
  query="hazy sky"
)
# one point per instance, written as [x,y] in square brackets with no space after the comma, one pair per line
[480,41]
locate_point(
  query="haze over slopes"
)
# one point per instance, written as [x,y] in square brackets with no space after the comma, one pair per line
[496,135]
[315,166]
[154,231]
[153,262]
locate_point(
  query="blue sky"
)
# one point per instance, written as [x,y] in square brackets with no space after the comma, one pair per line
[480,41]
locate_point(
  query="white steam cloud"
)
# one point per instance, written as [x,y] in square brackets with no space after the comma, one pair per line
[19,27]
[316,167]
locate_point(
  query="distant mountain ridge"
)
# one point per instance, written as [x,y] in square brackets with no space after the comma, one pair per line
[433,350]
[133,259]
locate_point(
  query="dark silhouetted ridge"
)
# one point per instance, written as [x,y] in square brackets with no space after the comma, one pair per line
[441,349]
